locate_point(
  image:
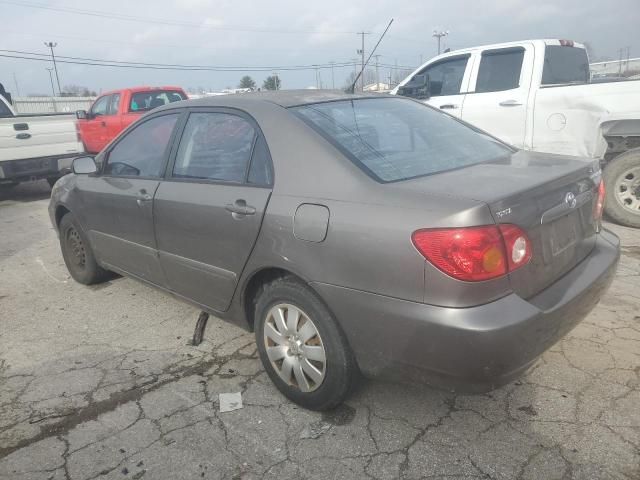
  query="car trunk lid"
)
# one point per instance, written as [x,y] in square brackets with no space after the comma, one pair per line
[550,197]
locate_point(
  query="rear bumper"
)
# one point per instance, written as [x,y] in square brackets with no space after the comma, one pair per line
[34,168]
[474,348]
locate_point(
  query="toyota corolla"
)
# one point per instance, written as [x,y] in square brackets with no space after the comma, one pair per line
[354,234]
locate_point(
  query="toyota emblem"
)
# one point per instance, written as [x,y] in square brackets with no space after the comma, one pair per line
[570,199]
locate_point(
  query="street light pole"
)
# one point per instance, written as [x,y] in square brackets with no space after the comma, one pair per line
[51,45]
[439,36]
[53,90]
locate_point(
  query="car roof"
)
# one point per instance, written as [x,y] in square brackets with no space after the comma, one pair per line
[141,89]
[283,98]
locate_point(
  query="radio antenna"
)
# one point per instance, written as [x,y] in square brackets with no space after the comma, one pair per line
[353,86]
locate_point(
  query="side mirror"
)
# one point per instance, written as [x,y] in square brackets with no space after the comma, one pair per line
[84,165]
[81,114]
[419,87]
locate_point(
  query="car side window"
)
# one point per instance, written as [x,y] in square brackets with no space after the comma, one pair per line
[445,77]
[215,146]
[114,104]
[101,106]
[141,152]
[500,70]
[260,171]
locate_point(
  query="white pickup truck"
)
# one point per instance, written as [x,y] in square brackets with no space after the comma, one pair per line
[537,95]
[33,147]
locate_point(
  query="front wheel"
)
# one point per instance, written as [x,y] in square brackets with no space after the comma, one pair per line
[622,182]
[301,346]
[77,253]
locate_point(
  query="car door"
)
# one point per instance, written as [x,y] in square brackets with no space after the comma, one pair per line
[209,208]
[498,96]
[92,127]
[118,202]
[112,121]
[448,80]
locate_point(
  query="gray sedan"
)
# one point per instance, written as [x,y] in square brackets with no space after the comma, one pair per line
[354,234]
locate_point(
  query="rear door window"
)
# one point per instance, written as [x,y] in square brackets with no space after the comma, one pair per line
[500,70]
[148,100]
[395,139]
[215,146]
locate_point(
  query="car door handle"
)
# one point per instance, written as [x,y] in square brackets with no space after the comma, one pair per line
[143,198]
[448,106]
[510,103]
[240,209]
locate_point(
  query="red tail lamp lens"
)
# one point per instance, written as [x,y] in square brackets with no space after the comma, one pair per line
[598,207]
[476,253]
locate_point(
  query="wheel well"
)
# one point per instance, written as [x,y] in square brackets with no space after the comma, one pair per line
[61,211]
[255,284]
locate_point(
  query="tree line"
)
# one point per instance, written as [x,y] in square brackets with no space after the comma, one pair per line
[272,82]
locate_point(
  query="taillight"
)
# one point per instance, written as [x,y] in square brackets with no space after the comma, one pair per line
[598,207]
[474,254]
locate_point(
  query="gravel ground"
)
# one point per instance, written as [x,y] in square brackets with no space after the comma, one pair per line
[101,383]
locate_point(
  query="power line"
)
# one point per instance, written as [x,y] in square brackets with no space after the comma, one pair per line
[161,21]
[35,56]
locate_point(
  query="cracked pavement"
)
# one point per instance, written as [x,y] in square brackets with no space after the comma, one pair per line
[100,383]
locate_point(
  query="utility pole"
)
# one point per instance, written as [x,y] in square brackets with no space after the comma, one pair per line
[620,61]
[333,79]
[317,78]
[377,74]
[361,52]
[15,80]
[439,36]
[627,68]
[51,45]
[276,80]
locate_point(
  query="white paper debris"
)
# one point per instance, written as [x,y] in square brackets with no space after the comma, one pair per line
[230,401]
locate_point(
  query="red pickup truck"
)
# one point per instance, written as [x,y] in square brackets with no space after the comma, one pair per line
[114,111]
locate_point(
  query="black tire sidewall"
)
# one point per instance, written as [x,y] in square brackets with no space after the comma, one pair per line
[340,366]
[612,172]
[91,273]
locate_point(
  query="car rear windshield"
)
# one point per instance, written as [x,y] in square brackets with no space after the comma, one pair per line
[564,65]
[396,139]
[145,101]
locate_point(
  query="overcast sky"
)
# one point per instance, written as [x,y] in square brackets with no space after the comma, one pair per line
[282,33]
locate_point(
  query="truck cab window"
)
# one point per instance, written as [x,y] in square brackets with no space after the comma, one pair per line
[101,106]
[500,70]
[564,65]
[114,104]
[445,77]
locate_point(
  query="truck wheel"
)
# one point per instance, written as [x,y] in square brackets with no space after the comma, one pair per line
[77,253]
[301,346]
[622,182]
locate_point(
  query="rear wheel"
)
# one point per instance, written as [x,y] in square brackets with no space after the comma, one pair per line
[622,181]
[303,350]
[77,253]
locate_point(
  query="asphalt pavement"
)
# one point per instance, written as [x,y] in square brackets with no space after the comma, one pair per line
[101,383]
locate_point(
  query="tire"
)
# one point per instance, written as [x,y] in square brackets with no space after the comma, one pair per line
[339,370]
[622,183]
[77,253]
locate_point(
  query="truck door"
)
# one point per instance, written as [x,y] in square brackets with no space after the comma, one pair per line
[92,129]
[498,94]
[448,82]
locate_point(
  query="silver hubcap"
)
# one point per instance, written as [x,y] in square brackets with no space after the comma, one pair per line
[294,347]
[628,190]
